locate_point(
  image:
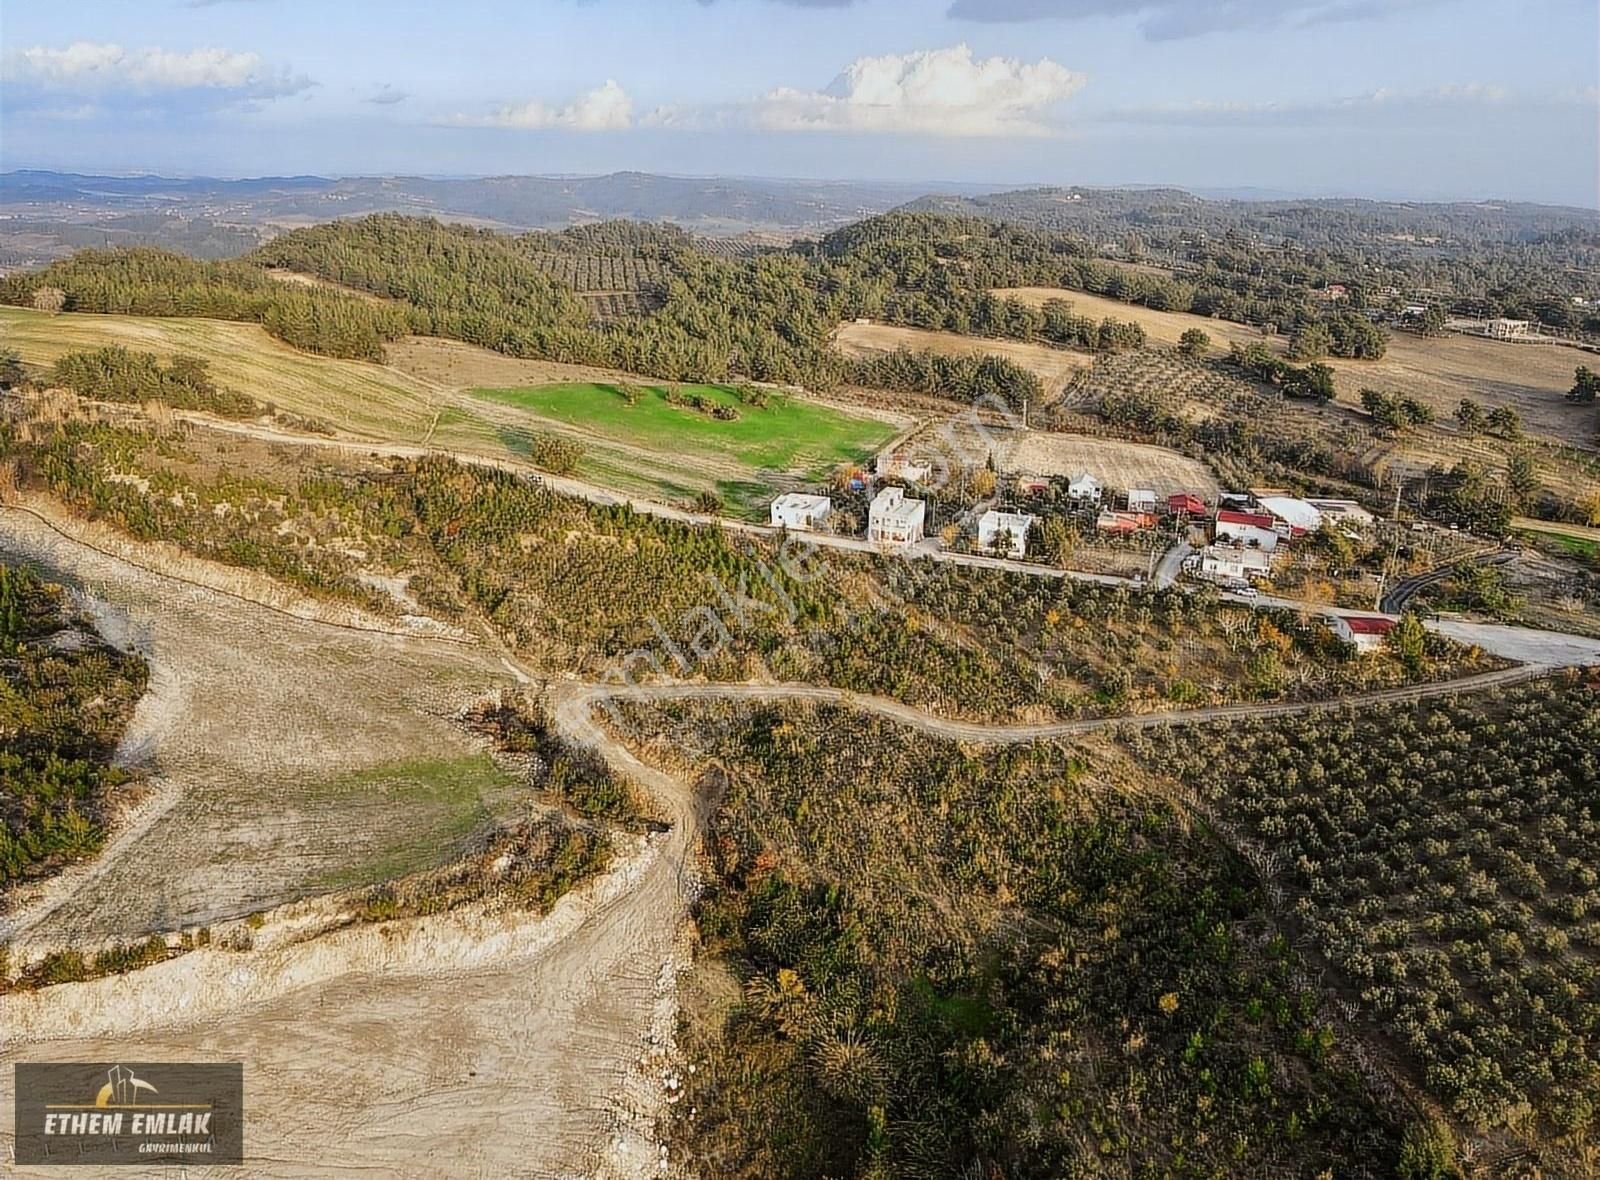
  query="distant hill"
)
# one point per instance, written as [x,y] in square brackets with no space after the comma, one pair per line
[1164,215]
[49,214]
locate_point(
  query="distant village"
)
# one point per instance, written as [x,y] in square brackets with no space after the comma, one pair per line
[1245,534]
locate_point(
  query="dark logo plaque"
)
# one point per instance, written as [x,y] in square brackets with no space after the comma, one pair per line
[151,1112]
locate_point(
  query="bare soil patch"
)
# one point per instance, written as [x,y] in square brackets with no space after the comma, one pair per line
[1118,464]
[1053,366]
[272,746]
[458,366]
[297,278]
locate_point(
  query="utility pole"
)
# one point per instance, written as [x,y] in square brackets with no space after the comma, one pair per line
[1394,550]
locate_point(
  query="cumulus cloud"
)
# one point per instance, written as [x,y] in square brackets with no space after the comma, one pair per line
[1393,106]
[105,74]
[605,108]
[932,92]
[1167,20]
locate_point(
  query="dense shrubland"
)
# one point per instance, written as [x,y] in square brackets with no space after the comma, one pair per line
[606,591]
[1262,261]
[951,962]
[119,375]
[1441,860]
[65,698]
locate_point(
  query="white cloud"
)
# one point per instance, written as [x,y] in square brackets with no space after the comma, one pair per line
[605,108]
[109,74]
[932,92]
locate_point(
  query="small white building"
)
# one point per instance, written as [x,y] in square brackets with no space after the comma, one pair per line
[1504,329]
[1085,488]
[1366,632]
[1006,531]
[1245,530]
[1225,563]
[796,510]
[1141,500]
[894,520]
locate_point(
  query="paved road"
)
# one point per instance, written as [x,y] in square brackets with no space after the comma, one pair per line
[1402,592]
[1171,564]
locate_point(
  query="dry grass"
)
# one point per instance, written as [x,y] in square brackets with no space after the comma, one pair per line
[297,278]
[1053,366]
[455,365]
[421,397]
[1118,464]
[357,396]
[1532,379]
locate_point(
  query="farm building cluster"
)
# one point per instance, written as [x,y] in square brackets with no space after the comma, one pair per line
[1250,531]
[1245,532]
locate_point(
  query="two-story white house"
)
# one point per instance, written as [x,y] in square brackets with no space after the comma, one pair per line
[1085,488]
[894,520]
[1006,532]
[1253,529]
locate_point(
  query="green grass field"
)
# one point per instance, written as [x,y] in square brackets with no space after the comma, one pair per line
[651,448]
[744,458]
[444,804]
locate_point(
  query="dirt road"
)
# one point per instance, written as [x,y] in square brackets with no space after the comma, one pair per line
[482,1045]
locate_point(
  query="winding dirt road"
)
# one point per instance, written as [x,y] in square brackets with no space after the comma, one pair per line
[472,1044]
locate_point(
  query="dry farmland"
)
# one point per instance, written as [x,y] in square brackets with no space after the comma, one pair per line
[1117,463]
[1053,366]
[1531,378]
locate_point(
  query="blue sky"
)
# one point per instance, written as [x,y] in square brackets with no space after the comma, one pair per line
[1394,98]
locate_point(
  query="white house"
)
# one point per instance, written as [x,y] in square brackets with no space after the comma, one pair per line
[796,510]
[1085,487]
[1294,515]
[1141,500]
[1007,530]
[894,520]
[1504,329]
[1223,563]
[1247,530]
[1365,631]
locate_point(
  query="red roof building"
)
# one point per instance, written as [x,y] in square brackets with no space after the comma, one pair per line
[1366,632]
[1257,520]
[1120,524]
[1187,504]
